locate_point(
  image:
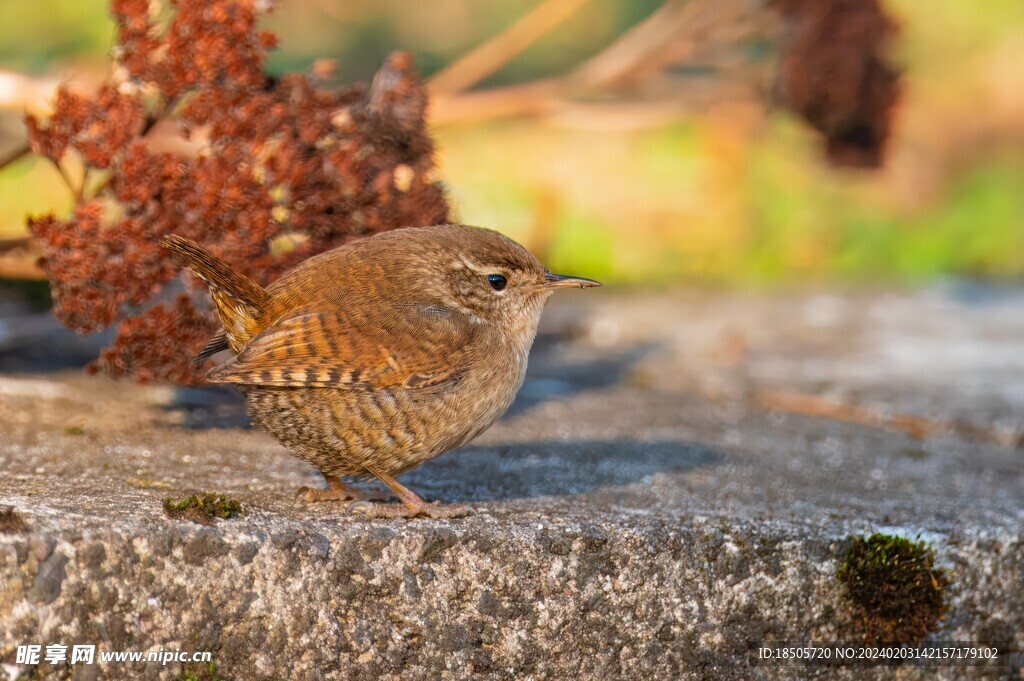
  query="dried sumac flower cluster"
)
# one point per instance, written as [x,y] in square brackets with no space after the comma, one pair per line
[834,73]
[265,171]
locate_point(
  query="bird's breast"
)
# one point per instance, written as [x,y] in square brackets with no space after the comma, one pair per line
[490,384]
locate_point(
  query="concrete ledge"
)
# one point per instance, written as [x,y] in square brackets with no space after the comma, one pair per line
[640,515]
[495,597]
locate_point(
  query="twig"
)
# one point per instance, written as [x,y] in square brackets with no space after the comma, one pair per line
[15,243]
[15,155]
[675,32]
[544,98]
[19,92]
[18,266]
[331,9]
[916,427]
[671,35]
[22,268]
[621,57]
[496,52]
[533,98]
[75,191]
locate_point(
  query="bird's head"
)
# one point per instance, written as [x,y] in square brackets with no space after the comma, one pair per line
[492,278]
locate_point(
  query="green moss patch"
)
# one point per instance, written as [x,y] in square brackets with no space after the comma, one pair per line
[11,521]
[203,509]
[898,594]
[197,672]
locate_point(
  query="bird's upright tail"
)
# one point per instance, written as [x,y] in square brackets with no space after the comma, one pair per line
[240,301]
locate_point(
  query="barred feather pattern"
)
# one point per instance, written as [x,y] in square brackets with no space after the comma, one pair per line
[342,431]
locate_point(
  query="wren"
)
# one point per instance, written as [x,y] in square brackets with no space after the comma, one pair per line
[376,356]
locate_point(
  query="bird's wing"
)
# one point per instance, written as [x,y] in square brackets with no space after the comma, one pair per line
[413,347]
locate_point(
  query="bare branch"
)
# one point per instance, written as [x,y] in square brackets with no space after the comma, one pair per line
[526,99]
[18,91]
[19,259]
[916,427]
[499,50]
[671,35]
[676,32]
[76,191]
[15,155]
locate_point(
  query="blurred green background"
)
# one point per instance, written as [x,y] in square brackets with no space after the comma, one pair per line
[728,193]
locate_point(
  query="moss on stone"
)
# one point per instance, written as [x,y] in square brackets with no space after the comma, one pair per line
[897,593]
[203,509]
[201,672]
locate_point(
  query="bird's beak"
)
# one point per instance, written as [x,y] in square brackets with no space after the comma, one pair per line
[563,281]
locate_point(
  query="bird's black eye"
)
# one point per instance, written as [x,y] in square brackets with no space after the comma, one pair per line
[497,281]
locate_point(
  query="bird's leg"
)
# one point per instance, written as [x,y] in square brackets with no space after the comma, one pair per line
[336,491]
[411,506]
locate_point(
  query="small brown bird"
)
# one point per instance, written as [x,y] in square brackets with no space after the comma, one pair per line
[374,357]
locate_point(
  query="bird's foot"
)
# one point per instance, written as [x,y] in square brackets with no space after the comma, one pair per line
[311,494]
[336,491]
[410,510]
[411,507]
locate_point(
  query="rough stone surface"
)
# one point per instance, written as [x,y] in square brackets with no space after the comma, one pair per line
[641,514]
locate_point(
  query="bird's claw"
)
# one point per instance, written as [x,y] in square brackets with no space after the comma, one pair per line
[361,506]
[335,492]
[434,510]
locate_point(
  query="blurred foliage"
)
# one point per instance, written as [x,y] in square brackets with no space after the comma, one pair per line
[39,37]
[274,160]
[361,34]
[730,195]
[647,209]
